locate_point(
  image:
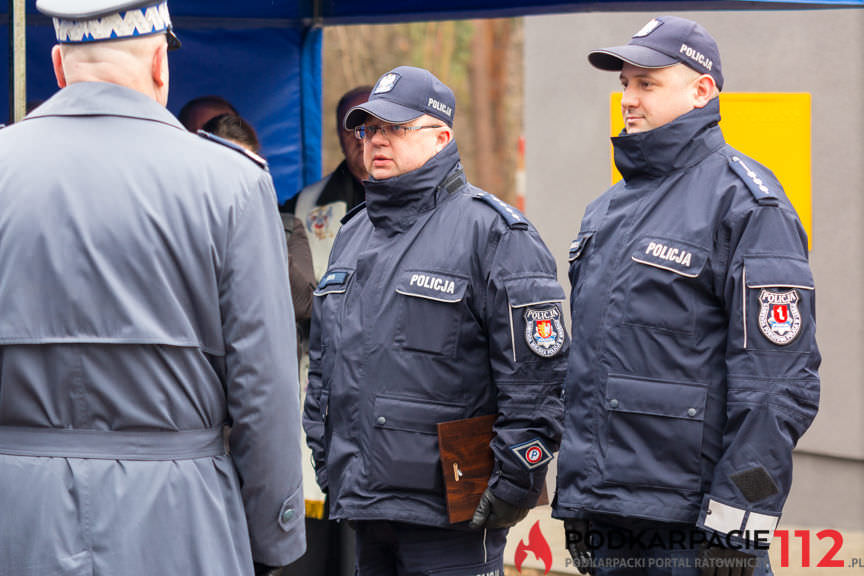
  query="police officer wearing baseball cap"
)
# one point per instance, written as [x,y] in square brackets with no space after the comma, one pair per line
[440,303]
[694,300]
[145,304]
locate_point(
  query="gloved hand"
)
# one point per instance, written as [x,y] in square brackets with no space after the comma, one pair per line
[492,512]
[720,561]
[576,539]
[264,570]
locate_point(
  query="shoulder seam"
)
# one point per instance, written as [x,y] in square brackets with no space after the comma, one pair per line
[261,162]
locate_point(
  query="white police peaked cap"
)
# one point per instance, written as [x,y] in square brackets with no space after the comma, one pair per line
[85,21]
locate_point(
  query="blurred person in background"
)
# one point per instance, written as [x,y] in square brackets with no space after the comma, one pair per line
[198,111]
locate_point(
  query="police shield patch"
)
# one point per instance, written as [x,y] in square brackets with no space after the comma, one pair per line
[779,317]
[532,453]
[544,332]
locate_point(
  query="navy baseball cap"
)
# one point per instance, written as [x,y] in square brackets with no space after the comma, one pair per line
[663,42]
[403,94]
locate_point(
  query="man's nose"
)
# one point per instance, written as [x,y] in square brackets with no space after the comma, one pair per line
[378,138]
[628,97]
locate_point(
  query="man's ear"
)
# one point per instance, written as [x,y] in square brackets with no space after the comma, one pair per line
[57,60]
[159,66]
[443,138]
[704,90]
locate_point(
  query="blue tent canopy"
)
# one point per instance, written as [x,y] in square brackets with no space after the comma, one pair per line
[265,57]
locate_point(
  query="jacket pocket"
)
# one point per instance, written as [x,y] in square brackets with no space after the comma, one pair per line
[330,298]
[404,452]
[663,284]
[430,311]
[578,246]
[654,432]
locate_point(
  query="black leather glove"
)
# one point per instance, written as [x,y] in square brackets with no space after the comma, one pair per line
[264,570]
[576,539]
[492,512]
[720,561]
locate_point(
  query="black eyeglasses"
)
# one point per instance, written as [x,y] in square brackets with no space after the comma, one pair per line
[387,130]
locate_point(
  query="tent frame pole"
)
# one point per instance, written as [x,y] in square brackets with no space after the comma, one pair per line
[17,60]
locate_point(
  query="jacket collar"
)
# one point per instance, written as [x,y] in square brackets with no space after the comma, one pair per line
[104,99]
[394,204]
[679,144]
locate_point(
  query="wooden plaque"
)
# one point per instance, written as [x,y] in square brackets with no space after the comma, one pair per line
[466,461]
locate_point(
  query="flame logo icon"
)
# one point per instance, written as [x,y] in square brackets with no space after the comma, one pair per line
[538,545]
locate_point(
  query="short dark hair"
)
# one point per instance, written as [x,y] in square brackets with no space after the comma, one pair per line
[233,128]
[212,100]
[342,106]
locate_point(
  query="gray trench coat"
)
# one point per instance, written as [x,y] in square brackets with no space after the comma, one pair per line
[145,303]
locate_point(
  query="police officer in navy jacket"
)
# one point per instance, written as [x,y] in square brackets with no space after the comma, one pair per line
[440,302]
[693,298]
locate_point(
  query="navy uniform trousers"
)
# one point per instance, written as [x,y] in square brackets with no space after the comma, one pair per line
[398,549]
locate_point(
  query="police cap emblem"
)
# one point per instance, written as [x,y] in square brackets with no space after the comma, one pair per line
[386,83]
[544,332]
[779,317]
[648,28]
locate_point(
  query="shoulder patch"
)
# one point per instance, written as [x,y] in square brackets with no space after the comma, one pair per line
[510,214]
[532,454]
[236,147]
[353,212]
[759,188]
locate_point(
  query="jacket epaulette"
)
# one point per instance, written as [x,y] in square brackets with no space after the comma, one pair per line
[234,146]
[511,215]
[353,212]
[757,185]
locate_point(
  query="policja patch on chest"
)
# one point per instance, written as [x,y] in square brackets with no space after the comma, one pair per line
[544,332]
[779,317]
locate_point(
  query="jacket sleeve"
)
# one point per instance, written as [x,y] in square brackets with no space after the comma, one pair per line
[772,366]
[261,375]
[301,271]
[527,353]
[315,407]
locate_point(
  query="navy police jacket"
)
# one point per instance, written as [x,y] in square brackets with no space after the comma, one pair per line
[696,371]
[439,303]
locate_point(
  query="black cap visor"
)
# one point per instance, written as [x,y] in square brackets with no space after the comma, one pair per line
[641,56]
[382,109]
[173,41]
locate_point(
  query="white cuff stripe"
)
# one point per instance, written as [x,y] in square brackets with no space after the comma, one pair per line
[762,523]
[722,518]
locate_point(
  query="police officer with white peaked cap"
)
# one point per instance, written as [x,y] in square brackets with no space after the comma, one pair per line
[145,298]
[693,297]
[440,303]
